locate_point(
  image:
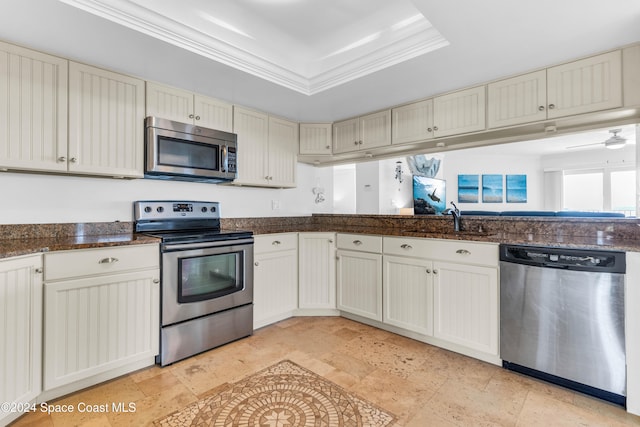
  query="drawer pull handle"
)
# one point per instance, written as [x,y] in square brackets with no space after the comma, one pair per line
[428,271]
[463,252]
[435,271]
[275,242]
[256,263]
[38,270]
[156,281]
[405,246]
[108,260]
[357,242]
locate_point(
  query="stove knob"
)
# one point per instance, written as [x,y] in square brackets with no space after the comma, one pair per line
[160,209]
[204,209]
[213,208]
[147,209]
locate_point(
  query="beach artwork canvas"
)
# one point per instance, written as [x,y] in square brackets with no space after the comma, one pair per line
[516,188]
[429,195]
[468,188]
[492,188]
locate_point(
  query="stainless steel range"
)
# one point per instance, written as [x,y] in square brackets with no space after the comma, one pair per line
[207,276]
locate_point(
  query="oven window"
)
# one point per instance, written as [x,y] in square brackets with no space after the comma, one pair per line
[207,277]
[187,154]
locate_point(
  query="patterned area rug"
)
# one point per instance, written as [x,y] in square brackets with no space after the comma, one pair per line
[283,395]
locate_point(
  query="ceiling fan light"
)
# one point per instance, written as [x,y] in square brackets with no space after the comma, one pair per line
[615,142]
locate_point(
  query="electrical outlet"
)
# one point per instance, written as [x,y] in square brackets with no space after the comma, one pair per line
[275,205]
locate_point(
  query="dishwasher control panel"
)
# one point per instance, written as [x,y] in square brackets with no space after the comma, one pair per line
[567,258]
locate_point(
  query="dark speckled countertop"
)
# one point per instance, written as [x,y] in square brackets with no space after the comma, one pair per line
[610,234]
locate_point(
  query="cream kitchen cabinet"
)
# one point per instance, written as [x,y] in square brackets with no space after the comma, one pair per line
[315,138]
[106,123]
[188,107]
[412,122]
[583,86]
[267,149]
[317,271]
[459,112]
[33,111]
[20,332]
[359,275]
[362,133]
[275,278]
[101,314]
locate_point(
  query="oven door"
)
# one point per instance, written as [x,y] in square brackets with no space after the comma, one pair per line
[204,278]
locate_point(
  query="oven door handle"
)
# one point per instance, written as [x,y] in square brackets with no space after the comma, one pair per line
[203,245]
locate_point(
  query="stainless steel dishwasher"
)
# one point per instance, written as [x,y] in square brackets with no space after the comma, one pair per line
[562,317]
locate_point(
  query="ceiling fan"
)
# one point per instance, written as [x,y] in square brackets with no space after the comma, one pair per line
[614,142]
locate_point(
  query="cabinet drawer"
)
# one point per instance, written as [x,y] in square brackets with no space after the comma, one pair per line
[275,242]
[411,247]
[360,242]
[87,262]
[464,252]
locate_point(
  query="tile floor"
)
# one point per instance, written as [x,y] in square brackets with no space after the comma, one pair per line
[422,385]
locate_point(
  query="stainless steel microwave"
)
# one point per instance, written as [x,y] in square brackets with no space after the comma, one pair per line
[185,152]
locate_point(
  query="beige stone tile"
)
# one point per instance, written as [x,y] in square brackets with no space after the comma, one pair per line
[158,383]
[542,410]
[427,417]
[346,363]
[462,369]
[506,378]
[146,373]
[606,409]
[33,419]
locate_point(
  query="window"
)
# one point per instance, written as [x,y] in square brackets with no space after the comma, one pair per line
[599,190]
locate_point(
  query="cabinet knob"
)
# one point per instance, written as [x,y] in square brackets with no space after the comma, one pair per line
[463,252]
[405,246]
[360,142]
[552,106]
[541,108]
[275,242]
[256,263]
[429,129]
[435,128]
[156,281]
[108,260]
[328,147]
[191,116]
[62,159]
[330,240]
[355,142]
[428,271]
[435,271]
[73,160]
[38,270]
[197,117]
[357,242]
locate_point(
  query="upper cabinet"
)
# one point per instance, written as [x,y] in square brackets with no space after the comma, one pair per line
[584,86]
[455,113]
[362,133]
[33,111]
[267,149]
[188,107]
[106,115]
[315,138]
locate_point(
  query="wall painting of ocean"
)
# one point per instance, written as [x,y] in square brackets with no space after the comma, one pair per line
[516,188]
[468,188]
[492,188]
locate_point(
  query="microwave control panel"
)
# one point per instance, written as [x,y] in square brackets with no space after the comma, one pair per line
[231,160]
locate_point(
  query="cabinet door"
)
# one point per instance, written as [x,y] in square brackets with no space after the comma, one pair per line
[315,138]
[275,286]
[375,130]
[466,306]
[583,86]
[517,100]
[459,112]
[412,122]
[408,293]
[213,113]
[169,103]
[20,331]
[360,283]
[96,324]
[33,111]
[252,129]
[317,266]
[346,136]
[283,152]
[106,122]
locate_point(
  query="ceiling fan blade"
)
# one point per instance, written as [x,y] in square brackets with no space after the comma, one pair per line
[584,145]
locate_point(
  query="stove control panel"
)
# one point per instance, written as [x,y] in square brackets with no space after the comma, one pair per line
[168,209]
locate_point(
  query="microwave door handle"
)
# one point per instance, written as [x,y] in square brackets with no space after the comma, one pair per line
[225,159]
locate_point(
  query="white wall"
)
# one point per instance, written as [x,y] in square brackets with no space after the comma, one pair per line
[344,189]
[367,188]
[37,198]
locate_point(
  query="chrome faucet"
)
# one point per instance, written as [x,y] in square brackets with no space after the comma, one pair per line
[455,212]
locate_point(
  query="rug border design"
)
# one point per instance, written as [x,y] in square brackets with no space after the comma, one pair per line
[358,402]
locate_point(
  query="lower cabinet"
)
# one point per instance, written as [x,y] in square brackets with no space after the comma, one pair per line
[20,333]
[102,316]
[359,275]
[408,293]
[465,305]
[317,274]
[275,278]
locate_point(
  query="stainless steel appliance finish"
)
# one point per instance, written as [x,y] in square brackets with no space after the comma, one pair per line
[562,317]
[207,276]
[180,151]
